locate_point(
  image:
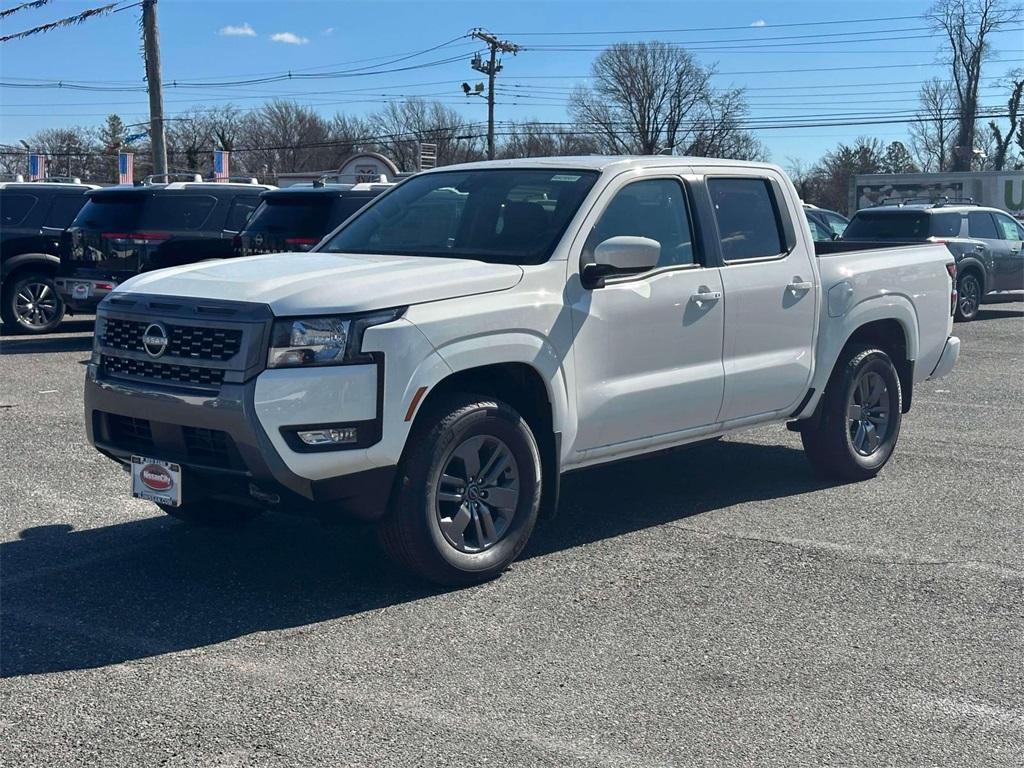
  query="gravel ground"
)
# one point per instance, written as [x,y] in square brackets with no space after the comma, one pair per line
[719,605]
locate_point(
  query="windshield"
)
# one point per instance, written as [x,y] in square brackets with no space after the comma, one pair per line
[902,225]
[506,215]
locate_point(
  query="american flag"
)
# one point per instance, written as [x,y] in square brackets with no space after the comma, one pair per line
[125,167]
[220,165]
[36,167]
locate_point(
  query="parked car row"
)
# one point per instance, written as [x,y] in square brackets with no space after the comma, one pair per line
[66,245]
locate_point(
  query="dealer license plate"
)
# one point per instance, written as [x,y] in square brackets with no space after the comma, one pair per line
[156,480]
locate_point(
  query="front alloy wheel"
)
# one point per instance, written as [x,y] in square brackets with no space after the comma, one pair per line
[477,494]
[467,493]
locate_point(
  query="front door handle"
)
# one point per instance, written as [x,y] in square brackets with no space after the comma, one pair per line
[700,297]
[799,286]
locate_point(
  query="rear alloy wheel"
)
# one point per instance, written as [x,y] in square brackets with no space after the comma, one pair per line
[32,304]
[968,297]
[854,431]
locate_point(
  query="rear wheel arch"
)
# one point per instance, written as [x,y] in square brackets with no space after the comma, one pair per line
[891,337]
[30,262]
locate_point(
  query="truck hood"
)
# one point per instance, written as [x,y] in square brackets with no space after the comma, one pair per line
[318,283]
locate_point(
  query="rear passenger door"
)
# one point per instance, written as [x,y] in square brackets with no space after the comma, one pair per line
[771,297]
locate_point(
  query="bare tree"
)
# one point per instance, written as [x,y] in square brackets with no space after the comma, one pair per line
[532,139]
[283,137]
[645,98]
[967,25]
[1003,140]
[69,151]
[933,134]
[829,182]
[718,132]
[401,126]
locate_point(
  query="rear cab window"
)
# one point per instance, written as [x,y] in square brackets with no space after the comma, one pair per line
[15,208]
[749,223]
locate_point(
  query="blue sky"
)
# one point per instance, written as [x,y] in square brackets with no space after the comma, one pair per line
[840,73]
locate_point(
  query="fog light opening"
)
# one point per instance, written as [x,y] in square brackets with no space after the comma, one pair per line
[332,436]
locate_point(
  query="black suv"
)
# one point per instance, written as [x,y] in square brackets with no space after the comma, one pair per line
[986,243]
[296,218]
[33,217]
[125,230]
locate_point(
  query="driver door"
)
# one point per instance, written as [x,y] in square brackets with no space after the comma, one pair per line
[648,347]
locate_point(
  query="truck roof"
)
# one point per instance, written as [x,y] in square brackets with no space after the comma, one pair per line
[604,163]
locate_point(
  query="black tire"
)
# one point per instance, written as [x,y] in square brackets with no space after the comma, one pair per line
[832,437]
[420,531]
[213,513]
[19,311]
[969,295]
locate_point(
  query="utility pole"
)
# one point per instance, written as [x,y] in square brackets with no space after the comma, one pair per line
[151,46]
[490,68]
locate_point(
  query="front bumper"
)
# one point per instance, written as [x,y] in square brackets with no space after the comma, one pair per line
[950,354]
[222,447]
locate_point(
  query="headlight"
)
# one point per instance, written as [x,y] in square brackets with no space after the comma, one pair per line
[326,340]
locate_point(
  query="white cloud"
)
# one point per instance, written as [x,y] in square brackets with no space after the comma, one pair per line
[289,37]
[328,31]
[240,30]
[759,23]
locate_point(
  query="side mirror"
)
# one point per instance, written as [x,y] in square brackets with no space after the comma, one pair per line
[621,255]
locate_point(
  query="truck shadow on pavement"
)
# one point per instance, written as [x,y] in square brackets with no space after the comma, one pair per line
[85,599]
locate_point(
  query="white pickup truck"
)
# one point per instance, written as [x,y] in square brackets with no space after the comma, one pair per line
[438,361]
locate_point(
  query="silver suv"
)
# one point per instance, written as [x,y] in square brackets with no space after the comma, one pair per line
[986,243]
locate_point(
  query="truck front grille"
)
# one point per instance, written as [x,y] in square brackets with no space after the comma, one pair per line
[190,341]
[189,445]
[206,378]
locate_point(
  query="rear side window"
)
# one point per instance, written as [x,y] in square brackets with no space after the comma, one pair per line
[239,212]
[945,225]
[14,208]
[980,224]
[179,212]
[748,222]
[63,211]
[111,213]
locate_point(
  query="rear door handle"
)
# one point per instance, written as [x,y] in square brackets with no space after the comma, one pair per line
[798,286]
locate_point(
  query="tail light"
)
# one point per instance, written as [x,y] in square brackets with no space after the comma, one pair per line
[951,268]
[302,243]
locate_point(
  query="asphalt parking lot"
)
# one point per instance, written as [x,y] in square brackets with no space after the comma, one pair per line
[719,605]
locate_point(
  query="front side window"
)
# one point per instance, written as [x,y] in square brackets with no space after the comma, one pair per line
[1008,228]
[505,215]
[655,209]
[14,208]
[748,223]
